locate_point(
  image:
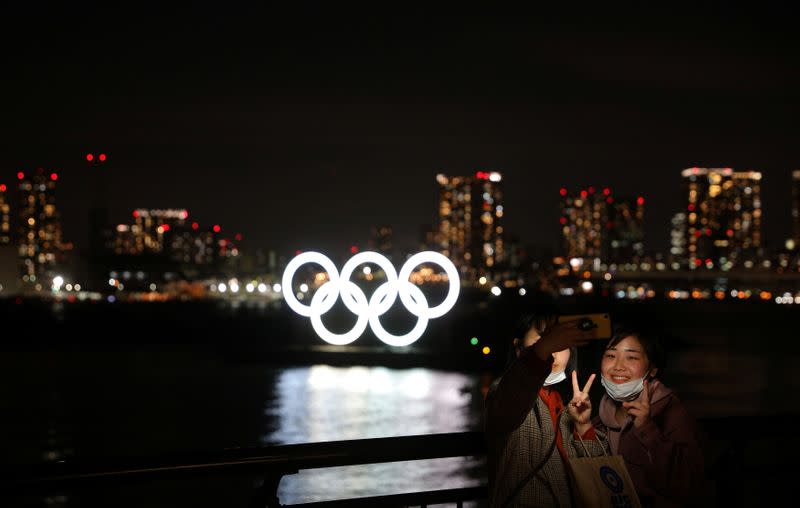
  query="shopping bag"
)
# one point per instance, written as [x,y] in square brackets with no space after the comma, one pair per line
[602,482]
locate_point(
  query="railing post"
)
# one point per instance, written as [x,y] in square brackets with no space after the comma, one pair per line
[267,494]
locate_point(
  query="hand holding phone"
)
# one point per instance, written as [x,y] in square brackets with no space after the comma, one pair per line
[561,336]
[600,323]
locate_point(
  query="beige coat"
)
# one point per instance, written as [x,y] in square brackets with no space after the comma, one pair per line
[520,437]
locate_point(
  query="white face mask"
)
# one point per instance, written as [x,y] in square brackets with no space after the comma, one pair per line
[555,377]
[624,392]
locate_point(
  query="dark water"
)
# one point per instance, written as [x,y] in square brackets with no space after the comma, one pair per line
[100,404]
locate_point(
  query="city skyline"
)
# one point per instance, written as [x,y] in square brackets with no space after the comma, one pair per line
[363,241]
[242,118]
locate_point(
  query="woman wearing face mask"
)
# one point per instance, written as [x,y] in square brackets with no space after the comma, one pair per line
[646,423]
[530,435]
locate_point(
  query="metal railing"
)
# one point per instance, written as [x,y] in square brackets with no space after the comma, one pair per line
[272,462]
[739,455]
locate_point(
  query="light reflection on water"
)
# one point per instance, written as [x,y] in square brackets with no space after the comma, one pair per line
[323,403]
[93,405]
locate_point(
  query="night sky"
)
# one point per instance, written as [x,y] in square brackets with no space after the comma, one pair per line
[303,129]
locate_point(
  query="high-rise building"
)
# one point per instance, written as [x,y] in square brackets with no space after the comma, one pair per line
[723,221]
[381,240]
[678,251]
[746,240]
[624,231]
[191,245]
[125,241]
[99,228]
[38,224]
[427,237]
[470,228]
[102,235]
[796,206]
[583,217]
[228,247]
[147,233]
[167,233]
[9,272]
[5,217]
[597,227]
[161,241]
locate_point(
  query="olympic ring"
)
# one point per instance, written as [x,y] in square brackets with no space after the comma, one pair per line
[370,311]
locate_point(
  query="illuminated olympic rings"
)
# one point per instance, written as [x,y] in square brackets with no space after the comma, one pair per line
[369,312]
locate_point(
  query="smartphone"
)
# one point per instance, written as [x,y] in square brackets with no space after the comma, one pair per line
[599,322]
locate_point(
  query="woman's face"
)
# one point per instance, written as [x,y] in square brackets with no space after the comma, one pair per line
[560,359]
[625,361]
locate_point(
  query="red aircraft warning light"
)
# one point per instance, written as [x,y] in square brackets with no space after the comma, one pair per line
[100,157]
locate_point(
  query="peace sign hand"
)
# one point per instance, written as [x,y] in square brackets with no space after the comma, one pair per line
[640,409]
[580,407]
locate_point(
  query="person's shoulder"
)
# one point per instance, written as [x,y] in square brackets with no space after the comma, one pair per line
[671,407]
[662,395]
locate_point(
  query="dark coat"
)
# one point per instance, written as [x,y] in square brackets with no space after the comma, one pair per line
[663,457]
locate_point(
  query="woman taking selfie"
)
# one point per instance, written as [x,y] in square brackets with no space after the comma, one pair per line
[531,435]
